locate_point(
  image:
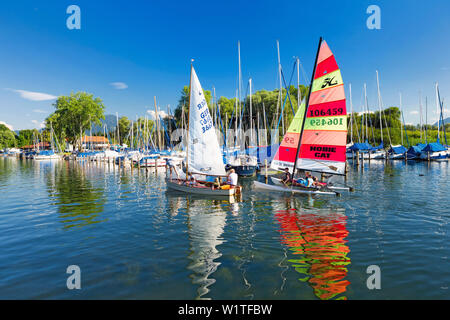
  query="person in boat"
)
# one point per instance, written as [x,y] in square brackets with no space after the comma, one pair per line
[191,182]
[309,180]
[286,177]
[232,178]
[172,167]
[317,183]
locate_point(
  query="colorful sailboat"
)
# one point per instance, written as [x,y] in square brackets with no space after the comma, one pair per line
[203,157]
[317,136]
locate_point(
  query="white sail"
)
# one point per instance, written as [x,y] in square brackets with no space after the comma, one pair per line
[205,155]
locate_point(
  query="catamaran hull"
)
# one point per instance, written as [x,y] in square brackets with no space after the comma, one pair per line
[278,182]
[270,187]
[201,191]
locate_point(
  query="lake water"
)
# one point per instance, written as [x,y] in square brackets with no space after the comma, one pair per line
[133,239]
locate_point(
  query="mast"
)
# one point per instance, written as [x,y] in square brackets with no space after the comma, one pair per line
[420,116]
[240,89]
[426,120]
[298,82]
[351,117]
[401,113]
[366,111]
[188,120]
[251,113]
[158,136]
[280,96]
[306,108]
[437,112]
[379,106]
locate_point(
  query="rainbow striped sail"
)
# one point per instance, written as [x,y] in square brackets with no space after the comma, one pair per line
[324,136]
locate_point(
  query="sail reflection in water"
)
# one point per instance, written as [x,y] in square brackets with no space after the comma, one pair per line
[205,228]
[316,238]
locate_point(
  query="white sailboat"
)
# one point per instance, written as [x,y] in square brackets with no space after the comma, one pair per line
[203,157]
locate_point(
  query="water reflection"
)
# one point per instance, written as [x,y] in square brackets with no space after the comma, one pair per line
[79,202]
[205,228]
[317,245]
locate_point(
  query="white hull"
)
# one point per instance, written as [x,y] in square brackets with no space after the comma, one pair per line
[202,191]
[396,156]
[52,157]
[435,156]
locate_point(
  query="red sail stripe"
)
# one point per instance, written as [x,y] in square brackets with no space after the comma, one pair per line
[323,152]
[325,67]
[324,137]
[327,95]
[327,109]
[286,154]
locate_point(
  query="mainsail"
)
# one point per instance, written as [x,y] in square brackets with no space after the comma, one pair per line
[324,137]
[204,154]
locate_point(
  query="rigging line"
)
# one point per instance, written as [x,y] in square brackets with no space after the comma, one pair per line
[288,91]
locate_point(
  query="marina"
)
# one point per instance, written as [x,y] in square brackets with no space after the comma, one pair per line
[135,239]
[237,151]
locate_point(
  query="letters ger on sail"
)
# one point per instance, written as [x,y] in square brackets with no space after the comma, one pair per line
[205,155]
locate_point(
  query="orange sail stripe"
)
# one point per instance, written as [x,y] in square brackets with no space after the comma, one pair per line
[336,138]
[327,95]
[324,52]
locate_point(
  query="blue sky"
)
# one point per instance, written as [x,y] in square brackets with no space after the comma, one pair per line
[148,46]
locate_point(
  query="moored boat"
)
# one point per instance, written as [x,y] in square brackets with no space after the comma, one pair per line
[203,156]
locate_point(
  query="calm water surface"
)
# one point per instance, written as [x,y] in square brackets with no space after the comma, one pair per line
[133,239]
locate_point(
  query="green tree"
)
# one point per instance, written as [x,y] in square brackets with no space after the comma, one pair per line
[25,137]
[124,129]
[74,115]
[7,138]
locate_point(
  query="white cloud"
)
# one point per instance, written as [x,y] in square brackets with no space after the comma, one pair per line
[38,124]
[119,85]
[161,113]
[414,112]
[39,111]
[34,96]
[10,127]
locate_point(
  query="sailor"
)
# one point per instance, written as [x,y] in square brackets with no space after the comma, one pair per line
[286,177]
[232,178]
[309,179]
[172,166]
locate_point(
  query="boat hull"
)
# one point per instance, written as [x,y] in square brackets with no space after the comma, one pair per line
[201,191]
[245,171]
[269,187]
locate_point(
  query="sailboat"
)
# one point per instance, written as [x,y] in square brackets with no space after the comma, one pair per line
[436,151]
[317,136]
[203,156]
[48,154]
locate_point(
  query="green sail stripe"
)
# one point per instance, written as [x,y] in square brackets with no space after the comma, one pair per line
[328,81]
[296,123]
[326,123]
